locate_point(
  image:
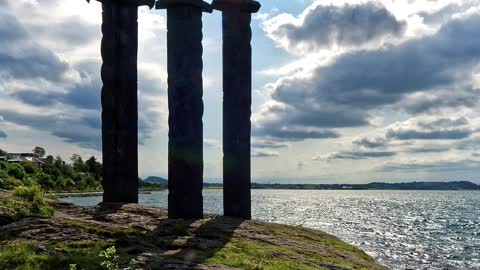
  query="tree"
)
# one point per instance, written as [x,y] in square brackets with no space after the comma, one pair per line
[94,167]
[45,180]
[78,164]
[39,151]
[50,159]
[3,153]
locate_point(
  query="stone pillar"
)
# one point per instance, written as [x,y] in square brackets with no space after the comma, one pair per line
[237,100]
[185,104]
[119,100]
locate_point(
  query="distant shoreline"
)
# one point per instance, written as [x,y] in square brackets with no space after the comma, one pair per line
[414,186]
[88,194]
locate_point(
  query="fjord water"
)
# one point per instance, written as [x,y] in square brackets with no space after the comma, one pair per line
[400,229]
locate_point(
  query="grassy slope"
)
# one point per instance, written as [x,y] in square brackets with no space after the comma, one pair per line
[78,234]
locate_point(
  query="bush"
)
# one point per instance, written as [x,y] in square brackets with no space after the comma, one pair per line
[3,175]
[34,204]
[17,171]
[3,165]
[29,181]
[29,167]
[45,180]
[9,182]
[29,193]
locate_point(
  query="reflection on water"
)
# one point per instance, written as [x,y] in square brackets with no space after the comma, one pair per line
[400,229]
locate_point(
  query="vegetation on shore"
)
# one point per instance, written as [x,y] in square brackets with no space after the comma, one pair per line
[140,237]
[56,175]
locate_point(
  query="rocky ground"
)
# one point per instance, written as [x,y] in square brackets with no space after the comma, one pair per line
[145,238]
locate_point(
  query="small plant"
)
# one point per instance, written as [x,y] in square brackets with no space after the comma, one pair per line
[33,193]
[133,263]
[73,267]
[110,258]
[32,203]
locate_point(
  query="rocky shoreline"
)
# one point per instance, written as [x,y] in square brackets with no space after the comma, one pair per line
[145,235]
[83,194]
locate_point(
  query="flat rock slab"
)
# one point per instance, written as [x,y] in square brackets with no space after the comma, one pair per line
[156,242]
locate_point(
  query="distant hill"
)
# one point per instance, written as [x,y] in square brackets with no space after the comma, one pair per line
[157,180]
[452,185]
[455,185]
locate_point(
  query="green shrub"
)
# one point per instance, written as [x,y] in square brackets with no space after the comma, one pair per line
[17,171]
[32,203]
[3,165]
[29,193]
[29,181]
[3,175]
[45,180]
[9,182]
[29,167]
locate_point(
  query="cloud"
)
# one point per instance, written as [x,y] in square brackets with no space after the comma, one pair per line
[377,142]
[432,166]
[429,148]
[270,144]
[300,165]
[212,143]
[355,155]
[438,129]
[23,58]
[321,27]
[447,12]
[3,135]
[70,31]
[435,101]
[343,93]
[263,154]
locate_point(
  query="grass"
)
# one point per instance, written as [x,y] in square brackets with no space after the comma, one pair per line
[252,256]
[24,255]
[303,234]
[27,202]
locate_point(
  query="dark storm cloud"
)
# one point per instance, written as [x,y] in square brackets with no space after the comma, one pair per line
[360,81]
[356,155]
[371,142]
[3,135]
[348,25]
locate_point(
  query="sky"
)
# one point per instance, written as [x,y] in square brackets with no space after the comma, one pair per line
[344,91]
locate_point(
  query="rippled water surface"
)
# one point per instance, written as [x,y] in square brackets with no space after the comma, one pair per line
[400,229]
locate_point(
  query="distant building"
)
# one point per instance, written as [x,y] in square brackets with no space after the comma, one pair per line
[30,157]
[3,158]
